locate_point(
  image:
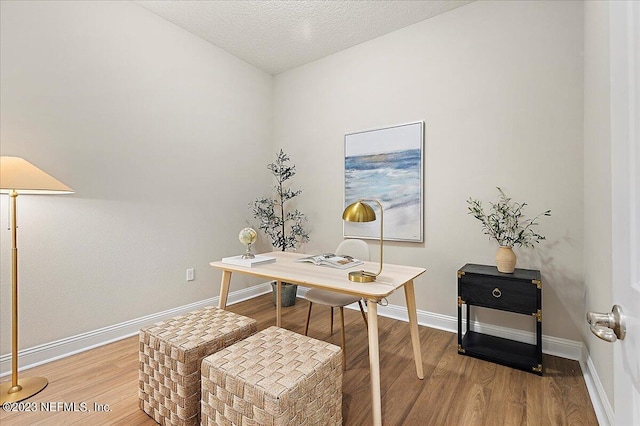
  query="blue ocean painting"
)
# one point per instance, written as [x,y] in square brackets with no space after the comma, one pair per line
[394,179]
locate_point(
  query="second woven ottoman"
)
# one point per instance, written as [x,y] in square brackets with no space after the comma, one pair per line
[275,377]
[171,353]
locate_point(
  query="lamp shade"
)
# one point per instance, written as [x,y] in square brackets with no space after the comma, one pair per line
[17,174]
[359,212]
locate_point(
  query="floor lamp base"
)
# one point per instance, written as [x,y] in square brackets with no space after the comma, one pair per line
[30,386]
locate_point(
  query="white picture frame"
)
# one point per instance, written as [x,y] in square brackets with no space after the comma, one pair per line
[386,164]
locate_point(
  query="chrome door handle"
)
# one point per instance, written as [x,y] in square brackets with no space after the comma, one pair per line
[610,326]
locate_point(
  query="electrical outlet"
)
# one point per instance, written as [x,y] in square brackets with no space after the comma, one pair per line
[190,274]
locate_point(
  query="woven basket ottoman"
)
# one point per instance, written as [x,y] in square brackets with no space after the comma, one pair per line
[275,377]
[171,353]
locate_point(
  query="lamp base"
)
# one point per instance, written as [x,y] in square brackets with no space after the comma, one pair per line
[362,277]
[26,388]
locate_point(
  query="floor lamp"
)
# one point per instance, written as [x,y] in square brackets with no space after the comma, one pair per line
[18,176]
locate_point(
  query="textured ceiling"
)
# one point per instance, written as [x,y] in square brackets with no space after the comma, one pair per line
[279,35]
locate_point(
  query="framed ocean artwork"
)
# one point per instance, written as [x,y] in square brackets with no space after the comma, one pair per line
[386,164]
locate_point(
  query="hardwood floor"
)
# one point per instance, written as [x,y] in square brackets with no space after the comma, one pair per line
[456,390]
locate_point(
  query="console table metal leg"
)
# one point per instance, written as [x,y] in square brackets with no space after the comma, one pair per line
[374,362]
[468,317]
[224,289]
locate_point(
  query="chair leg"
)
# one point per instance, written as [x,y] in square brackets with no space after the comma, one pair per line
[332,321]
[342,339]
[306,327]
[364,316]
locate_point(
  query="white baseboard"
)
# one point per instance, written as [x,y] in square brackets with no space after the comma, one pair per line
[601,404]
[42,354]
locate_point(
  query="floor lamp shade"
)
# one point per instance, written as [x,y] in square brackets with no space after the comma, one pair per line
[363,212]
[18,176]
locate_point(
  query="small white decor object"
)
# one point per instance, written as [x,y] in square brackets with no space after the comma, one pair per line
[247,236]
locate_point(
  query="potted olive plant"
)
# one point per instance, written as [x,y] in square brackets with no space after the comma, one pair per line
[506,224]
[283,226]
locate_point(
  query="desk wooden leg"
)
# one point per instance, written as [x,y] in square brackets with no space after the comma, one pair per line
[278,303]
[224,289]
[374,362]
[413,327]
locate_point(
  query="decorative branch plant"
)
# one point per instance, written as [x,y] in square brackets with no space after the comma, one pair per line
[285,228]
[505,222]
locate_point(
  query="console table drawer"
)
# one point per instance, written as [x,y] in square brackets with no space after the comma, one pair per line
[512,296]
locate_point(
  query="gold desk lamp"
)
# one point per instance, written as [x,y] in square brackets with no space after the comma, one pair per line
[363,212]
[18,176]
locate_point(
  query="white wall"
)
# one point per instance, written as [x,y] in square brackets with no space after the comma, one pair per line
[159,133]
[597,182]
[500,88]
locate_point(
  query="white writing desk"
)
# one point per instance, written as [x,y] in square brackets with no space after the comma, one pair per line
[285,269]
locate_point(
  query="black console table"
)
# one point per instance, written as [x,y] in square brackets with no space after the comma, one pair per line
[521,293]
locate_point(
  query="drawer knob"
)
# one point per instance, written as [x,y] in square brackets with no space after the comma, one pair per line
[496,293]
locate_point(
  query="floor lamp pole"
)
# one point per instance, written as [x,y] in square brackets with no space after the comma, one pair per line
[18,389]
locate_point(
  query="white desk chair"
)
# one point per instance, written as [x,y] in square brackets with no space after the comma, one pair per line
[355,248]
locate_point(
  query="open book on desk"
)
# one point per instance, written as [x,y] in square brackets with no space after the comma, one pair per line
[331,260]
